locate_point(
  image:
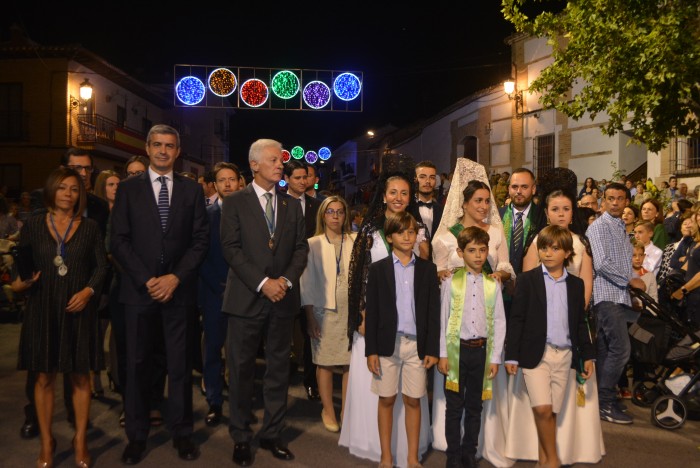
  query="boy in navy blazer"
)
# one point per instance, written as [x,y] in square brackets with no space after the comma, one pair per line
[547,334]
[402,334]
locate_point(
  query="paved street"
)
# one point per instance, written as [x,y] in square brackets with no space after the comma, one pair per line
[639,445]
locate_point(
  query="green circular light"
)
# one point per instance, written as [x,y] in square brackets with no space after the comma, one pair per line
[297,152]
[285,84]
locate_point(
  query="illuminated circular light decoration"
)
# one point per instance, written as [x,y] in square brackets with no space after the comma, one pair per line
[311,157]
[285,84]
[317,94]
[324,153]
[222,82]
[190,90]
[254,92]
[282,183]
[297,152]
[347,86]
[286,156]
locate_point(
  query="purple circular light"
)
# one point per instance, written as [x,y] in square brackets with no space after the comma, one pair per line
[317,94]
[311,157]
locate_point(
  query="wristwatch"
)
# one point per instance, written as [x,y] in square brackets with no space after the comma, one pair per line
[684,291]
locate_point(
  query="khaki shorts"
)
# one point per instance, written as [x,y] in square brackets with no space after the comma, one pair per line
[546,383]
[403,366]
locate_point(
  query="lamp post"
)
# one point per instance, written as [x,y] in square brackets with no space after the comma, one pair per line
[514,95]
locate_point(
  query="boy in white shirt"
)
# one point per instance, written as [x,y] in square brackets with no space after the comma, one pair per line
[643,233]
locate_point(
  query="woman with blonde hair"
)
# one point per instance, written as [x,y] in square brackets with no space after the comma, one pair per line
[324,296]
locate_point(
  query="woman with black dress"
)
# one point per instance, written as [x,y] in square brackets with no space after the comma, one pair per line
[60,328]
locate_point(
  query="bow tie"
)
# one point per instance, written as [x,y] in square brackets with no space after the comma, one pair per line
[426,204]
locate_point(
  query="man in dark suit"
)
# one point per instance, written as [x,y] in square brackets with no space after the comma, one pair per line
[429,210]
[159,238]
[97,209]
[522,220]
[264,243]
[296,177]
[212,282]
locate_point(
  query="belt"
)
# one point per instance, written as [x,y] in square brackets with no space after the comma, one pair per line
[558,348]
[475,343]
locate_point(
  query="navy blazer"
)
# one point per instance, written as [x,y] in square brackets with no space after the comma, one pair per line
[212,273]
[526,336]
[138,242]
[381,317]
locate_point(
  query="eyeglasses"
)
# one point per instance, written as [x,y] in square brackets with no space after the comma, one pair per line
[134,173]
[331,212]
[78,168]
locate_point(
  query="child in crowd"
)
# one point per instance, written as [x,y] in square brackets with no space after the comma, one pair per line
[547,335]
[401,331]
[643,233]
[639,271]
[472,331]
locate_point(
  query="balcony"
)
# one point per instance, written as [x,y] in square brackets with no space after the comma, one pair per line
[95,129]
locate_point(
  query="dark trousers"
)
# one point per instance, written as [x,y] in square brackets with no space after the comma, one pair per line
[215,323]
[309,366]
[613,348]
[144,326]
[468,402]
[243,341]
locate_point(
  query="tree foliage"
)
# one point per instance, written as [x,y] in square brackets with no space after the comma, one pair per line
[637,60]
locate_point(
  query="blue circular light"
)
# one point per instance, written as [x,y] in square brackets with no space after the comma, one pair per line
[324,153]
[311,157]
[282,183]
[347,86]
[190,90]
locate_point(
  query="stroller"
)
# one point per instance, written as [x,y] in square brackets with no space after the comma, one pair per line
[664,340]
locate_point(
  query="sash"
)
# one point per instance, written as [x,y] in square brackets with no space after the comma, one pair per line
[386,244]
[454,325]
[455,230]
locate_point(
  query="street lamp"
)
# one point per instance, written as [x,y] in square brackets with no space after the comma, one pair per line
[513,94]
[85,90]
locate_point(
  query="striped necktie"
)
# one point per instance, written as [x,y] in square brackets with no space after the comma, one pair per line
[269,213]
[517,238]
[163,202]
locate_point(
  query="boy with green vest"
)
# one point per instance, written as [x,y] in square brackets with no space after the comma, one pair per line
[472,330]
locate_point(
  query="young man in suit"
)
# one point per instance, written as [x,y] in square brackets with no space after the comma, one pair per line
[212,281]
[296,177]
[160,236]
[263,239]
[429,210]
[402,333]
[547,334]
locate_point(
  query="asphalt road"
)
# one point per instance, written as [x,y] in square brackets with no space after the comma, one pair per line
[638,445]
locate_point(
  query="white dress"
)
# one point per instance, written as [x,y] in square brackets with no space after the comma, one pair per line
[359,431]
[579,435]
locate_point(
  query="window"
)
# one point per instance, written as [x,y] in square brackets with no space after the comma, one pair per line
[12,126]
[121,116]
[544,154]
[685,156]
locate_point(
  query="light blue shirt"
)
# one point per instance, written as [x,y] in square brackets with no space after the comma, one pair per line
[405,300]
[612,264]
[557,310]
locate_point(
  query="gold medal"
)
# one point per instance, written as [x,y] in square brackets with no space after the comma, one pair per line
[271,244]
[58,261]
[580,396]
[63,270]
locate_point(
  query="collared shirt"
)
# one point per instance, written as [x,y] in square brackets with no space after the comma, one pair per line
[155,184]
[426,214]
[525,212]
[557,309]
[260,192]
[212,199]
[473,315]
[652,258]
[612,259]
[405,300]
[302,200]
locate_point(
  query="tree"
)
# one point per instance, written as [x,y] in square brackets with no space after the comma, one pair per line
[638,61]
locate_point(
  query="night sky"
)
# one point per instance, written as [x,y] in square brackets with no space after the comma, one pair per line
[415,60]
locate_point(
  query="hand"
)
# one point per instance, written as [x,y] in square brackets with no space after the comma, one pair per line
[162,288]
[429,361]
[512,369]
[638,283]
[444,274]
[312,327]
[500,276]
[677,294]
[18,285]
[443,366]
[588,369]
[361,327]
[79,300]
[493,370]
[373,365]
[274,289]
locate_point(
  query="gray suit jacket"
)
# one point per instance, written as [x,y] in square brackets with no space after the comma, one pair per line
[244,242]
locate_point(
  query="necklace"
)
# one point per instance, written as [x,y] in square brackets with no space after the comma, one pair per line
[59,259]
[340,256]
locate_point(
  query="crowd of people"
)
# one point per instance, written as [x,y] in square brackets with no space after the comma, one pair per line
[498,309]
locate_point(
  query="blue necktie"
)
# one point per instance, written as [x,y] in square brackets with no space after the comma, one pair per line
[163,202]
